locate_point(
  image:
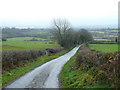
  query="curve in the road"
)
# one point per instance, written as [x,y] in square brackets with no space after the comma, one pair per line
[44,76]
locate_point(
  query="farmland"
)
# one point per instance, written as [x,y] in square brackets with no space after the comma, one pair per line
[104,47]
[22,43]
[24,32]
[98,34]
[104,34]
[29,39]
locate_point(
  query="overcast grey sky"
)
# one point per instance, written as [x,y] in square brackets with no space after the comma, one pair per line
[39,13]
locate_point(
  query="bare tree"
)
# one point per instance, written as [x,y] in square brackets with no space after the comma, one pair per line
[66,36]
[62,32]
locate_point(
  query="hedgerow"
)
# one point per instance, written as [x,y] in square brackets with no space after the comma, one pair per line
[91,69]
[104,67]
[12,59]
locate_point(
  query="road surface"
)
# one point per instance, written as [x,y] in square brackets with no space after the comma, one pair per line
[44,76]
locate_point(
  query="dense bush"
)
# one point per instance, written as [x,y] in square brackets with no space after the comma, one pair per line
[4,39]
[104,67]
[92,58]
[15,58]
[111,67]
[54,50]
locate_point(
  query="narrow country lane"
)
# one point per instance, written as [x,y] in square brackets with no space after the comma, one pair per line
[44,76]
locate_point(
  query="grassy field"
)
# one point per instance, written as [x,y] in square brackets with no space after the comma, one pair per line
[104,47]
[19,43]
[102,39]
[104,34]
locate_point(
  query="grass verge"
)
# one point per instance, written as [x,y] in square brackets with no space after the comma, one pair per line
[67,74]
[19,71]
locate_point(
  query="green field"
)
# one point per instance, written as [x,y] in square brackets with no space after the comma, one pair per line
[102,39]
[104,47]
[19,43]
[104,35]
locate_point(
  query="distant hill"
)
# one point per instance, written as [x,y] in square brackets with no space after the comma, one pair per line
[29,32]
[108,34]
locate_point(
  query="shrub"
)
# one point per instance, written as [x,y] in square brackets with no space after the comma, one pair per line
[54,50]
[103,66]
[15,58]
[4,39]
